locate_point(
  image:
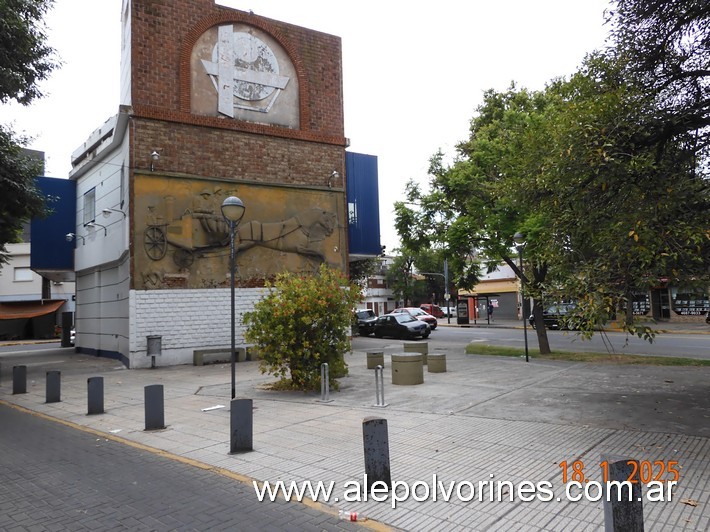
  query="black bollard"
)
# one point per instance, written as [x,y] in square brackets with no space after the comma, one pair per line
[67,324]
[96,395]
[19,379]
[53,386]
[376,443]
[241,426]
[620,513]
[154,407]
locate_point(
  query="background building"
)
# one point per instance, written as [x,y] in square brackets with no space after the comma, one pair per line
[31,306]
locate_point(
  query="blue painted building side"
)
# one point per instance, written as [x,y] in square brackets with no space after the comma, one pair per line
[49,247]
[362,192]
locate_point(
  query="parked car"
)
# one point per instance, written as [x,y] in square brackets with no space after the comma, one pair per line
[560,316]
[434,310]
[401,325]
[419,314]
[366,319]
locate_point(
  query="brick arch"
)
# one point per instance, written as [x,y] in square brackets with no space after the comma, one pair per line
[245,18]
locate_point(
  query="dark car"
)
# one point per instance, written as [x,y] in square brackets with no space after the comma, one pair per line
[418,313]
[402,325]
[560,316]
[366,319]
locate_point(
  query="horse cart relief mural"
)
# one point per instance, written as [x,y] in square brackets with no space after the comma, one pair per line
[185,238]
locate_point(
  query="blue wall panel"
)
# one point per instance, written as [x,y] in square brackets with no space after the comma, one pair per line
[49,247]
[363,204]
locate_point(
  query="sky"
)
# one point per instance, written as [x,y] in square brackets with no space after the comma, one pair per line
[413,73]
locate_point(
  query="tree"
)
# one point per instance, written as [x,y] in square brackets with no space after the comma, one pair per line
[399,276]
[604,212]
[25,60]
[665,50]
[361,269]
[304,321]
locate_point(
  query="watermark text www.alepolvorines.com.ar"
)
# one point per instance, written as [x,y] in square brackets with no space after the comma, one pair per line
[465,491]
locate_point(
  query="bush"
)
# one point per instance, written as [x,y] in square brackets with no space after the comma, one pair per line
[305,320]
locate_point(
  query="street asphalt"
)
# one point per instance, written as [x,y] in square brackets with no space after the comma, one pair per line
[484,419]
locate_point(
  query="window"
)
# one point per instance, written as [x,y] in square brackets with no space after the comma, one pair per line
[23,275]
[123,184]
[90,206]
[352,213]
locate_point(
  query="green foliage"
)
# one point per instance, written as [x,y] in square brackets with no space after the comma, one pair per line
[605,173]
[591,358]
[399,277]
[20,200]
[304,321]
[25,60]
[665,50]
[360,270]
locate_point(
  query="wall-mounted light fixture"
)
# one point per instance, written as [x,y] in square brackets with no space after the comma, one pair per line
[154,156]
[334,175]
[94,224]
[107,212]
[74,236]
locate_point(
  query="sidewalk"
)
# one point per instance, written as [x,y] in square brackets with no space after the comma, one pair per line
[486,418]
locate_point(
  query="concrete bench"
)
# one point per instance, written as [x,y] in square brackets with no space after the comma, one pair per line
[437,363]
[374,359]
[418,347]
[407,369]
[223,354]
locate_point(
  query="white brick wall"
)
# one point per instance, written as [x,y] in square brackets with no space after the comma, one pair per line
[186,320]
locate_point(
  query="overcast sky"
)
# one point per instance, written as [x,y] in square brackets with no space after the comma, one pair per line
[412,76]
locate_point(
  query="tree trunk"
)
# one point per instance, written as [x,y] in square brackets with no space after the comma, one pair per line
[540,328]
[629,314]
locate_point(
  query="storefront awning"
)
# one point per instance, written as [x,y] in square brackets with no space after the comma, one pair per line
[29,309]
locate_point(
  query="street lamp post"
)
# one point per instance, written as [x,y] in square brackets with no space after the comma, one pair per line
[519,239]
[233,211]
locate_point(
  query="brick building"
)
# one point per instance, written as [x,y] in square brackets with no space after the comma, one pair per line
[215,102]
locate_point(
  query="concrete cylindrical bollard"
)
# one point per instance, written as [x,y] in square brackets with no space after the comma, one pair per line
[437,363]
[154,407]
[407,369]
[376,445]
[418,347]
[374,359]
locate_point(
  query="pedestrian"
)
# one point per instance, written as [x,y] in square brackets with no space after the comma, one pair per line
[490,311]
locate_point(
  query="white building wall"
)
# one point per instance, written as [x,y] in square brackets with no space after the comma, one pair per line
[108,179]
[186,320]
[19,290]
[102,306]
